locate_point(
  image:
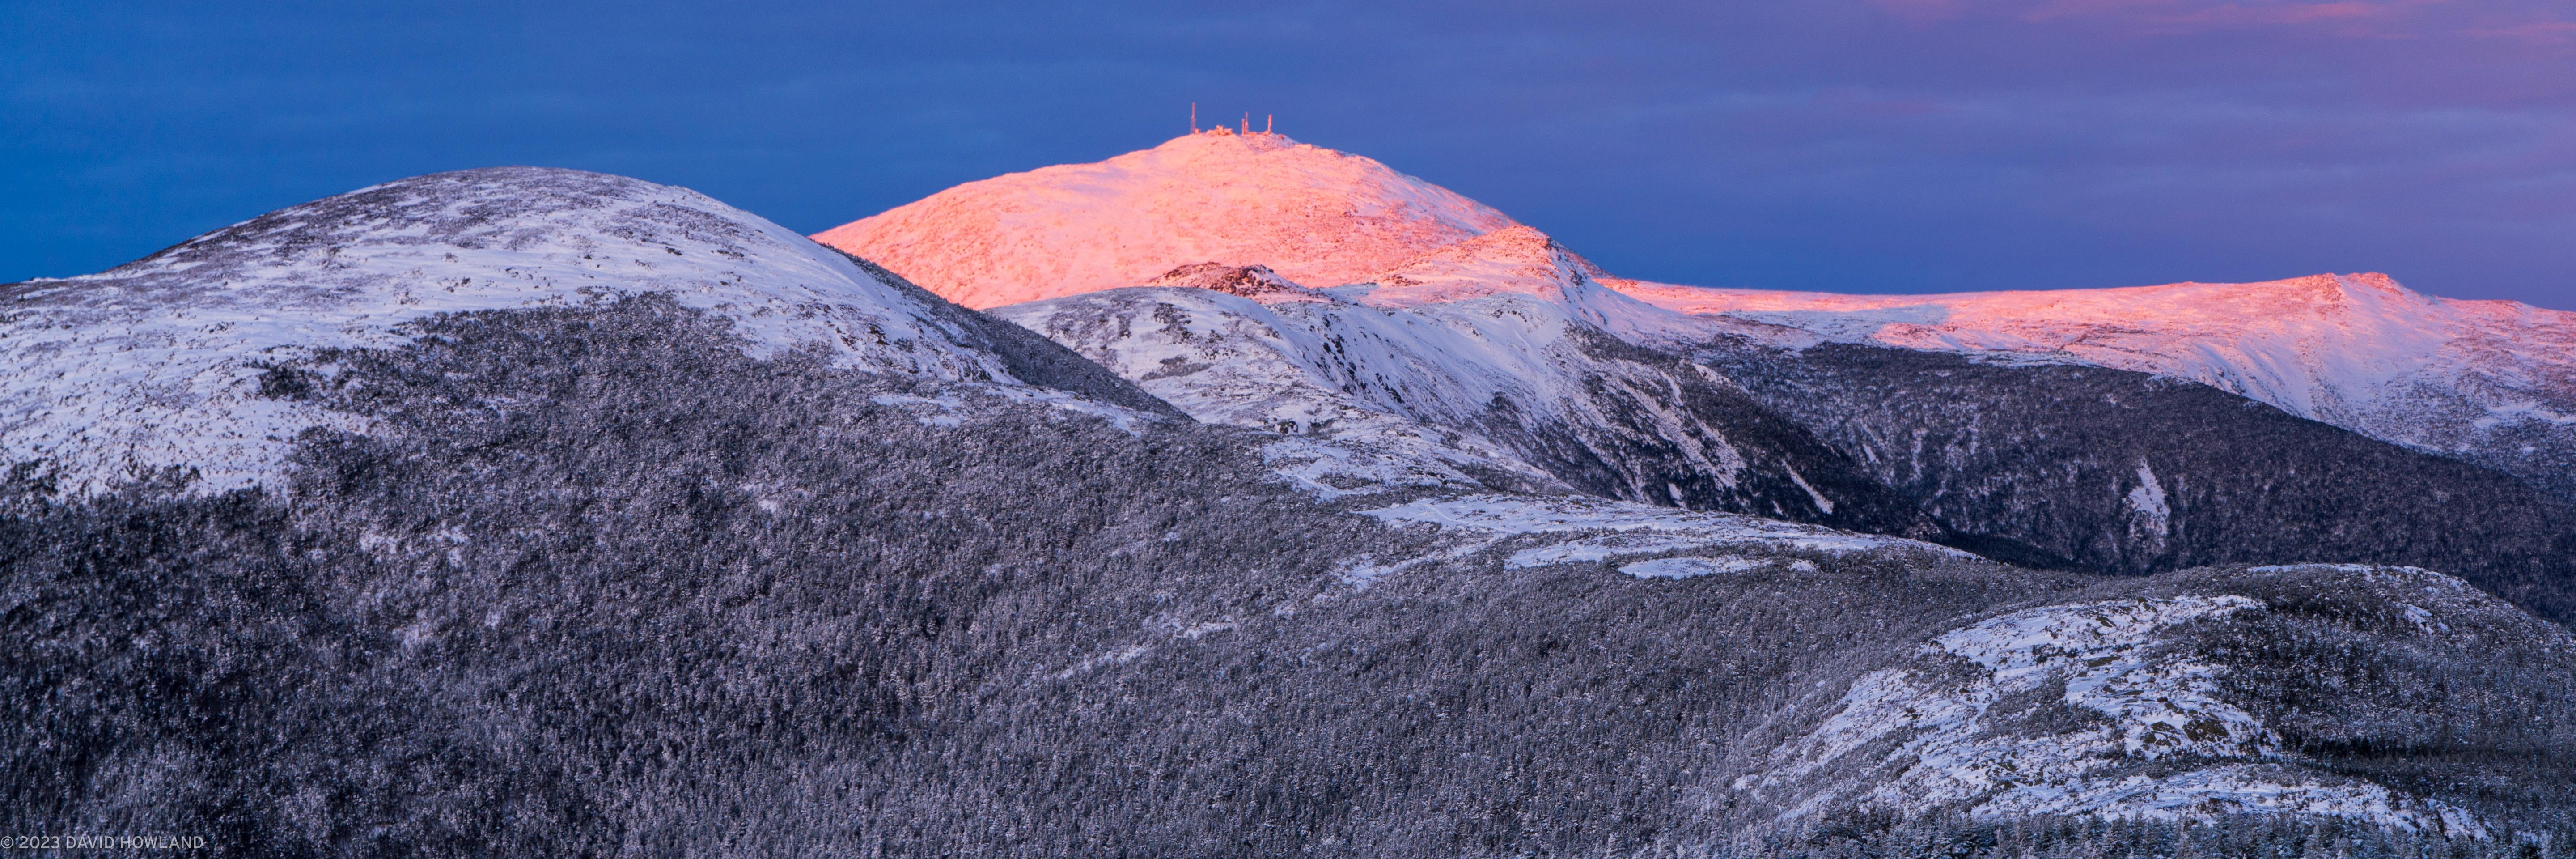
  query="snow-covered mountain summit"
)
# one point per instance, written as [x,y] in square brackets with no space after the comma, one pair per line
[2492,382]
[1407,334]
[159,362]
[1315,216]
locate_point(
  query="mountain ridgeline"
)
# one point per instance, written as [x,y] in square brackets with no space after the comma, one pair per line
[537,512]
[1507,360]
[2122,472]
[1588,413]
[2056,466]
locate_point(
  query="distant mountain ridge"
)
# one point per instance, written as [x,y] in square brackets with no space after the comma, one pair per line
[1506,360]
[2488,382]
[193,330]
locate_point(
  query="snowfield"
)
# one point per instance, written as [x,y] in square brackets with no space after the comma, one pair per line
[2494,381]
[1947,730]
[1523,514]
[2490,382]
[1330,469]
[1316,216]
[1596,530]
[1435,370]
[2205,794]
[158,363]
[1312,369]
[1684,568]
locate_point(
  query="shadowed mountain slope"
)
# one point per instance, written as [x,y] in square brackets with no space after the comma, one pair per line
[2125,472]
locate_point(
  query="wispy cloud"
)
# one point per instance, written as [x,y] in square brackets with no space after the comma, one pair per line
[2553,33]
[2369,19]
[2230,16]
[2189,16]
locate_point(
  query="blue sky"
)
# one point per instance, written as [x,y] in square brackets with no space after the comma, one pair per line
[1846,145]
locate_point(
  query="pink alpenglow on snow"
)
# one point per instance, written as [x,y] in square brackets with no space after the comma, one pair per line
[1273,220]
[1515,259]
[1312,215]
[2359,351]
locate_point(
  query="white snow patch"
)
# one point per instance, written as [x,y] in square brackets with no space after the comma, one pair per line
[1121,418]
[1332,469]
[1822,503]
[942,411]
[1683,568]
[2340,568]
[2148,499]
[2157,705]
[1367,570]
[2239,789]
[1638,528]
[1484,521]
[1196,631]
[2153,522]
[1120,656]
[2525,410]
[1603,548]
[2423,619]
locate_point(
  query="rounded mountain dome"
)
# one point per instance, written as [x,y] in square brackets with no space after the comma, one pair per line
[1313,215]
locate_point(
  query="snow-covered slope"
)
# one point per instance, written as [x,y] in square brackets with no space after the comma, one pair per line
[1307,369]
[1526,532]
[1403,334]
[159,363]
[1495,352]
[1484,363]
[2492,382]
[1955,739]
[1314,215]
[1247,347]
[2135,707]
